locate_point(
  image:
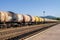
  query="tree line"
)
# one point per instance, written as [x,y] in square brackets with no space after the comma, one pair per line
[56,18]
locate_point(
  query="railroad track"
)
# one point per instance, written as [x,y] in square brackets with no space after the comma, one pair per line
[14,32]
[33,33]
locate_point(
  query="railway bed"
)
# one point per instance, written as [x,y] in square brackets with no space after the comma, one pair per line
[11,33]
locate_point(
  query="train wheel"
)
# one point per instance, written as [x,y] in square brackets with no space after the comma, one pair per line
[8,25]
[1,26]
[4,26]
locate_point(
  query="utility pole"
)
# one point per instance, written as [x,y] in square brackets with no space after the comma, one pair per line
[44,15]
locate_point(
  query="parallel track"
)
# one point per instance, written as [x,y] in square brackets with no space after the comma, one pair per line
[13,32]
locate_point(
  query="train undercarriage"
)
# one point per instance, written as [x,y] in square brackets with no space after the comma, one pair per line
[18,24]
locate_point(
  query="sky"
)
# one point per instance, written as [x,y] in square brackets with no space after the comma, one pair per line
[32,7]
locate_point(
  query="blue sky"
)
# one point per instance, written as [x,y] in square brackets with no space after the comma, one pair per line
[32,7]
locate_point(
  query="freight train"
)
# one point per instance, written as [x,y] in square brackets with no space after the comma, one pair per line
[10,19]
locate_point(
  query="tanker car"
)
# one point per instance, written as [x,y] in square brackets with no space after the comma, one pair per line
[10,19]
